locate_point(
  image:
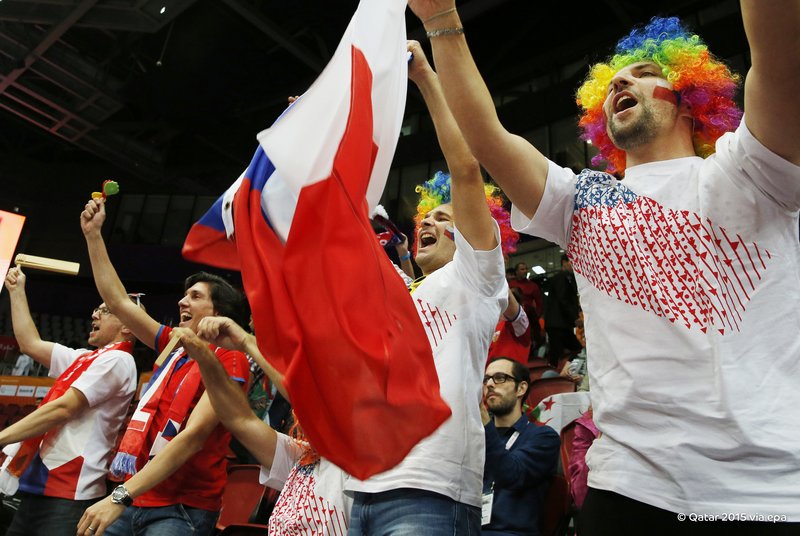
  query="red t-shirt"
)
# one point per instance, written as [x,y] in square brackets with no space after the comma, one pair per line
[200,481]
[531,295]
[507,344]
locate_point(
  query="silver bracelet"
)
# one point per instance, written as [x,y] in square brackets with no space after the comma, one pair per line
[445,31]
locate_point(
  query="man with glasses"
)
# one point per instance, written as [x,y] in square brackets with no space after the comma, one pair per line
[174,448]
[520,456]
[58,455]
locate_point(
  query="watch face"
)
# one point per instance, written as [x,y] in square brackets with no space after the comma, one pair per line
[120,495]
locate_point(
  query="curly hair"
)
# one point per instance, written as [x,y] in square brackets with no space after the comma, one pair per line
[436,191]
[700,79]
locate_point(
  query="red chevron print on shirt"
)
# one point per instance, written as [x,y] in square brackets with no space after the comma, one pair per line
[673,263]
[436,321]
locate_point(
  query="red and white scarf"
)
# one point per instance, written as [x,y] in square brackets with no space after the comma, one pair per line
[134,442]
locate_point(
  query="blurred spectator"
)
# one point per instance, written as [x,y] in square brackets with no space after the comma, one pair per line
[577,472]
[561,312]
[520,456]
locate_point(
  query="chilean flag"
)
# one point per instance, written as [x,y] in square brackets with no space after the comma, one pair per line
[329,309]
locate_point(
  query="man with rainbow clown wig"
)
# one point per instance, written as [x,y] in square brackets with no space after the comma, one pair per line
[430,251]
[687,260]
[436,489]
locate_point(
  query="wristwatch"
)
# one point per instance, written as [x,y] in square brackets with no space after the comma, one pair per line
[121,496]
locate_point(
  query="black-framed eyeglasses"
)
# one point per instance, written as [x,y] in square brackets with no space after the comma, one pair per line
[499,377]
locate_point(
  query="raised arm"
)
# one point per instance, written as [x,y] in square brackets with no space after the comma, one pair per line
[518,167]
[770,95]
[225,333]
[230,404]
[470,213]
[105,277]
[24,329]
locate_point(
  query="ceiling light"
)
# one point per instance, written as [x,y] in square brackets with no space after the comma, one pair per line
[538,270]
[163,9]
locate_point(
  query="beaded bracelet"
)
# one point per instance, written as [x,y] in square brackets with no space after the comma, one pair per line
[445,31]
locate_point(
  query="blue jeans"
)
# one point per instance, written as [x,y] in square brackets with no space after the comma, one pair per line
[173,520]
[47,516]
[412,512]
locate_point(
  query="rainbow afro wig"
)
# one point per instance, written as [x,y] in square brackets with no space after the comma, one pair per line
[436,191]
[701,81]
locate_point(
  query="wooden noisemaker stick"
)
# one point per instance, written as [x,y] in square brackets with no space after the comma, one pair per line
[44,263]
[173,342]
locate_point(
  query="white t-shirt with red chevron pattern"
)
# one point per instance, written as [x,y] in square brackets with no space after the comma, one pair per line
[312,499]
[689,277]
[459,305]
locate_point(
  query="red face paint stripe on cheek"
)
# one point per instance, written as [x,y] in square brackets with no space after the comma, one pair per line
[665,94]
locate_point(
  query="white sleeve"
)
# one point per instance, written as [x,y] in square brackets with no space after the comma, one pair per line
[553,218]
[747,162]
[61,358]
[484,272]
[287,452]
[112,373]
[521,323]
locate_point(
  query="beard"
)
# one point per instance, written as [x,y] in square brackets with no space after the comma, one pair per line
[636,133]
[501,407]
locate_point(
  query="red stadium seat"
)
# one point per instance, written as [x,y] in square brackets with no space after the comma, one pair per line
[557,507]
[542,388]
[538,370]
[242,495]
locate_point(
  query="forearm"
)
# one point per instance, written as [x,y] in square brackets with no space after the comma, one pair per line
[25,332]
[470,211]
[466,92]
[251,349]
[176,453]
[518,167]
[106,279]
[455,149]
[407,267]
[770,100]
[46,417]
[232,409]
[226,396]
[772,32]
[404,258]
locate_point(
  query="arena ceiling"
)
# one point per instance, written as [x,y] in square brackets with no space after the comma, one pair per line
[172,92]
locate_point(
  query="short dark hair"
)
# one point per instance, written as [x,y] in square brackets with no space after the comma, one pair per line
[519,264]
[564,257]
[519,371]
[227,300]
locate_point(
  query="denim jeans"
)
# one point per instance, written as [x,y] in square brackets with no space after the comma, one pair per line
[412,512]
[173,520]
[47,516]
